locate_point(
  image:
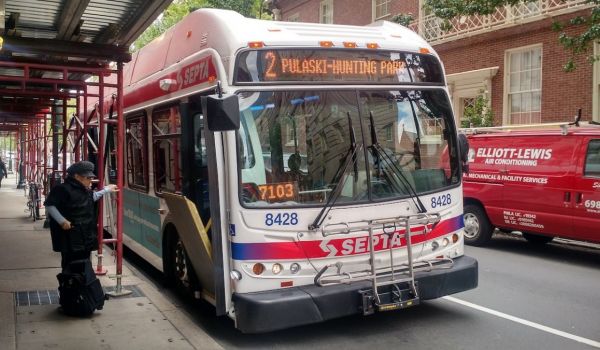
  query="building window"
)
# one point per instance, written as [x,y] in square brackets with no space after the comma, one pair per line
[465,103]
[381,8]
[524,85]
[326,12]
[294,18]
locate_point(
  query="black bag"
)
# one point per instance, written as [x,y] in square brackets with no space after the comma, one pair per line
[80,292]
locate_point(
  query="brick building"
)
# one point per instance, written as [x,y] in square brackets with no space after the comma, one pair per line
[512,58]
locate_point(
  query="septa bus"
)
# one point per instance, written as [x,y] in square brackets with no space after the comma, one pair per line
[291,173]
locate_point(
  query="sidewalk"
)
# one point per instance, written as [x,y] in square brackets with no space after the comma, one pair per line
[29,318]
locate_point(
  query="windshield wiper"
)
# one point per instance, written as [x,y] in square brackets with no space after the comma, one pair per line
[381,155]
[350,156]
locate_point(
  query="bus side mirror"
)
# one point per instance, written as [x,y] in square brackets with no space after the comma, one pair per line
[222,112]
[463,152]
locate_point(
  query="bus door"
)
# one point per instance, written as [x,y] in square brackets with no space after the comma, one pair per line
[197,213]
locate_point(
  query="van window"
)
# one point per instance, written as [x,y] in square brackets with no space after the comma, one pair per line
[592,159]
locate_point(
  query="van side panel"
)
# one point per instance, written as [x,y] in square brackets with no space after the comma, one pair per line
[522,181]
[586,196]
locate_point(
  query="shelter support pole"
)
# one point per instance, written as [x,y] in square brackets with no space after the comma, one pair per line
[100,270]
[21,155]
[65,134]
[78,127]
[119,291]
[55,149]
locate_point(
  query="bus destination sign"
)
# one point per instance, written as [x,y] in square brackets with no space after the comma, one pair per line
[337,66]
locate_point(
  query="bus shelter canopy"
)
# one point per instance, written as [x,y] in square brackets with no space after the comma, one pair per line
[50,47]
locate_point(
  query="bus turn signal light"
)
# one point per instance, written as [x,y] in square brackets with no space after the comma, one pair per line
[424,50]
[372,45]
[256,44]
[326,43]
[350,45]
[258,268]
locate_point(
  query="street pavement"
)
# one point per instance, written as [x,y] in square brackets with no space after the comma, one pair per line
[29,316]
[528,298]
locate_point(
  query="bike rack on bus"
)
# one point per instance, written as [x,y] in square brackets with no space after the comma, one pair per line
[402,291]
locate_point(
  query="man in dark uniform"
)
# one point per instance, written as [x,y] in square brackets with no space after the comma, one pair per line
[3,172]
[70,206]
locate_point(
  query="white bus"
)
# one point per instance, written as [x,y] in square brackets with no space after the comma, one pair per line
[291,173]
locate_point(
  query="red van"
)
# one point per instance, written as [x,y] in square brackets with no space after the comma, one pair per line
[544,183]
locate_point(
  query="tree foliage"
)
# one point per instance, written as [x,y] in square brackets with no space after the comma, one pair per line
[576,45]
[478,114]
[180,8]
[404,19]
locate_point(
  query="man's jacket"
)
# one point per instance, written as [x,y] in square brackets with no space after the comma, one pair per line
[76,204]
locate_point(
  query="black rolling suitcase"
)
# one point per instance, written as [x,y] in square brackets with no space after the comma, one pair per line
[80,292]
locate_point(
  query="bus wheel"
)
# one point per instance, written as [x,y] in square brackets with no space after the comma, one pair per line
[178,267]
[537,239]
[478,230]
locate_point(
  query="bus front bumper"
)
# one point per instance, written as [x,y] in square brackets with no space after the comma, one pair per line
[272,310]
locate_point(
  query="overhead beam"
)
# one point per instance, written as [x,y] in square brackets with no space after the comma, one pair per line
[70,17]
[10,25]
[145,16]
[51,47]
[2,14]
[108,35]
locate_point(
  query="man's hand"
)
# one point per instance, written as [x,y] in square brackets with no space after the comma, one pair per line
[66,225]
[111,188]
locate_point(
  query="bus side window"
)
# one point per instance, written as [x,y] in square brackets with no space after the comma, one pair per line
[137,170]
[166,143]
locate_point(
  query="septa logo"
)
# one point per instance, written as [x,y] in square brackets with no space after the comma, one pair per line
[328,248]
[196,73]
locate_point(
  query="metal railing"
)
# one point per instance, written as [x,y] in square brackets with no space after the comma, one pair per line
[436,30]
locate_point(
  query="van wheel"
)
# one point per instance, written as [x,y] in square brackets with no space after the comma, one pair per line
[178,269]
[537,239]
[478,230]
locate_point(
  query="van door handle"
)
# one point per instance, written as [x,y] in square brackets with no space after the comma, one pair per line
[567,196]
[578,197]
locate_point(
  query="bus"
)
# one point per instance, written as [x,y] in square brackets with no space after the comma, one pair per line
[292,173]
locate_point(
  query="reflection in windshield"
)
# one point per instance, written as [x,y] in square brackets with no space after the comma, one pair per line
[292,143]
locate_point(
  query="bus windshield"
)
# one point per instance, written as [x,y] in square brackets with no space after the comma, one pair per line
[292,145]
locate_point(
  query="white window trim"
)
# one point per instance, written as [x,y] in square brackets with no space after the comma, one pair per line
[330,5]
[507,53]
[374,11]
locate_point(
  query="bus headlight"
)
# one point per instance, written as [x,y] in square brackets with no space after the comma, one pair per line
[277,268]
[235,275]
[445,242]
[434,245]
[295,268]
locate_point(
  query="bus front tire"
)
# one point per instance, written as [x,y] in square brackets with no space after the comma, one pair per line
[478,229]
[537,239]
[178,267]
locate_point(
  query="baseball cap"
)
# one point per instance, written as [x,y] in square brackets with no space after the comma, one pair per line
[83,168]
